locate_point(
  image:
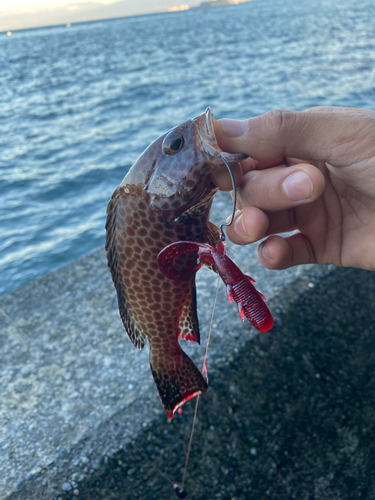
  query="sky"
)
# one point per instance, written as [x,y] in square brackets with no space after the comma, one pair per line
[20,14]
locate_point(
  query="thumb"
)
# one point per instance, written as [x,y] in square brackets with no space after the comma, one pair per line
[314,136]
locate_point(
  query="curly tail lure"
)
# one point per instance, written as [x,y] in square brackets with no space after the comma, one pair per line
[251,303]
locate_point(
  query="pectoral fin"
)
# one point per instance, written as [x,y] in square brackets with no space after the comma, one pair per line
[198,210]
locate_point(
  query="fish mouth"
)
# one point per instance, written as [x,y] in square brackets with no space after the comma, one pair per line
[206,134]
[210,123]
[209,145]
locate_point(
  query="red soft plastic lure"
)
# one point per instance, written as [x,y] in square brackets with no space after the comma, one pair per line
[239,286]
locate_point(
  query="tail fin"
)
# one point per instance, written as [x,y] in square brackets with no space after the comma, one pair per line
[176,377]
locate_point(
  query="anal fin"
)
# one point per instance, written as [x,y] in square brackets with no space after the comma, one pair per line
[188,323]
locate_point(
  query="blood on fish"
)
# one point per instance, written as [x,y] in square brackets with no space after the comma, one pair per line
[171,413]
[239,286]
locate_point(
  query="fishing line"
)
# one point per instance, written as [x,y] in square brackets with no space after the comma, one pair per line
[204,371]
[148,459]
[190,442]
[204,367]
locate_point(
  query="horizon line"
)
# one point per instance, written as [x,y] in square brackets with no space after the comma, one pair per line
[205,4]
[89,21]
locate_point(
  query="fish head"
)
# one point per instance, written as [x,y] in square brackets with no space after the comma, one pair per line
[175,169]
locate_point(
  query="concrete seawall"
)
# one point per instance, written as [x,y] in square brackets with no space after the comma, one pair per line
[289,414]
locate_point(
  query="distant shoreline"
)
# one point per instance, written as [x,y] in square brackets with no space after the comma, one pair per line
[71,22]
[218,3]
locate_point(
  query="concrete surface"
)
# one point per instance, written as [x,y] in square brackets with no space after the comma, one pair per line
[289,415]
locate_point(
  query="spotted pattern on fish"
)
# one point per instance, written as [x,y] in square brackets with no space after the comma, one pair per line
[152,305]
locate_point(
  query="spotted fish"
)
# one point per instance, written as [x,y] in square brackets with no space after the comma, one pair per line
[165,197]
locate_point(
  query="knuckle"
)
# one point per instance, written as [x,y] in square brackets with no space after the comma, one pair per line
[279,120]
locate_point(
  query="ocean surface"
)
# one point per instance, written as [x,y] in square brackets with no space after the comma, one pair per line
[78,105]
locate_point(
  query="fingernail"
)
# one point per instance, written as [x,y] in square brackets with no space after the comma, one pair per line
[298,186]
[233,128]
[239,227]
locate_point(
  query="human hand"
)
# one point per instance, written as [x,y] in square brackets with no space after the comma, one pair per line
[313,171]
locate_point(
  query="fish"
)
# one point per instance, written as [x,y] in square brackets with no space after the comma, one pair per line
[251,303]
[165,197]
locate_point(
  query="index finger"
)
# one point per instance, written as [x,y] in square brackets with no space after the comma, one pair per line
[308,135]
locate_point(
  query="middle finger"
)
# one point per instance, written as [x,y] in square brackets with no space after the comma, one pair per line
[281,187]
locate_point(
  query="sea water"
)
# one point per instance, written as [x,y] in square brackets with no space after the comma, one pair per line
[79,104]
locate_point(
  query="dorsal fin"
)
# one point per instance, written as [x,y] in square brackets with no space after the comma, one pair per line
[135,333]
[188,322]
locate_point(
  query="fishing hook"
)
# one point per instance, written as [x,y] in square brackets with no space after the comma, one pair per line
[226,224]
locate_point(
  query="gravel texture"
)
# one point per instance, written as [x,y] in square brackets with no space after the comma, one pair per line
[289,414]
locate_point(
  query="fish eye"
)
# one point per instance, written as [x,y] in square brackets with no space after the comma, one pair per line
[172,143]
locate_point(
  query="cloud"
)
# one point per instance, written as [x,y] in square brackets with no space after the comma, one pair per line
[78,12]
